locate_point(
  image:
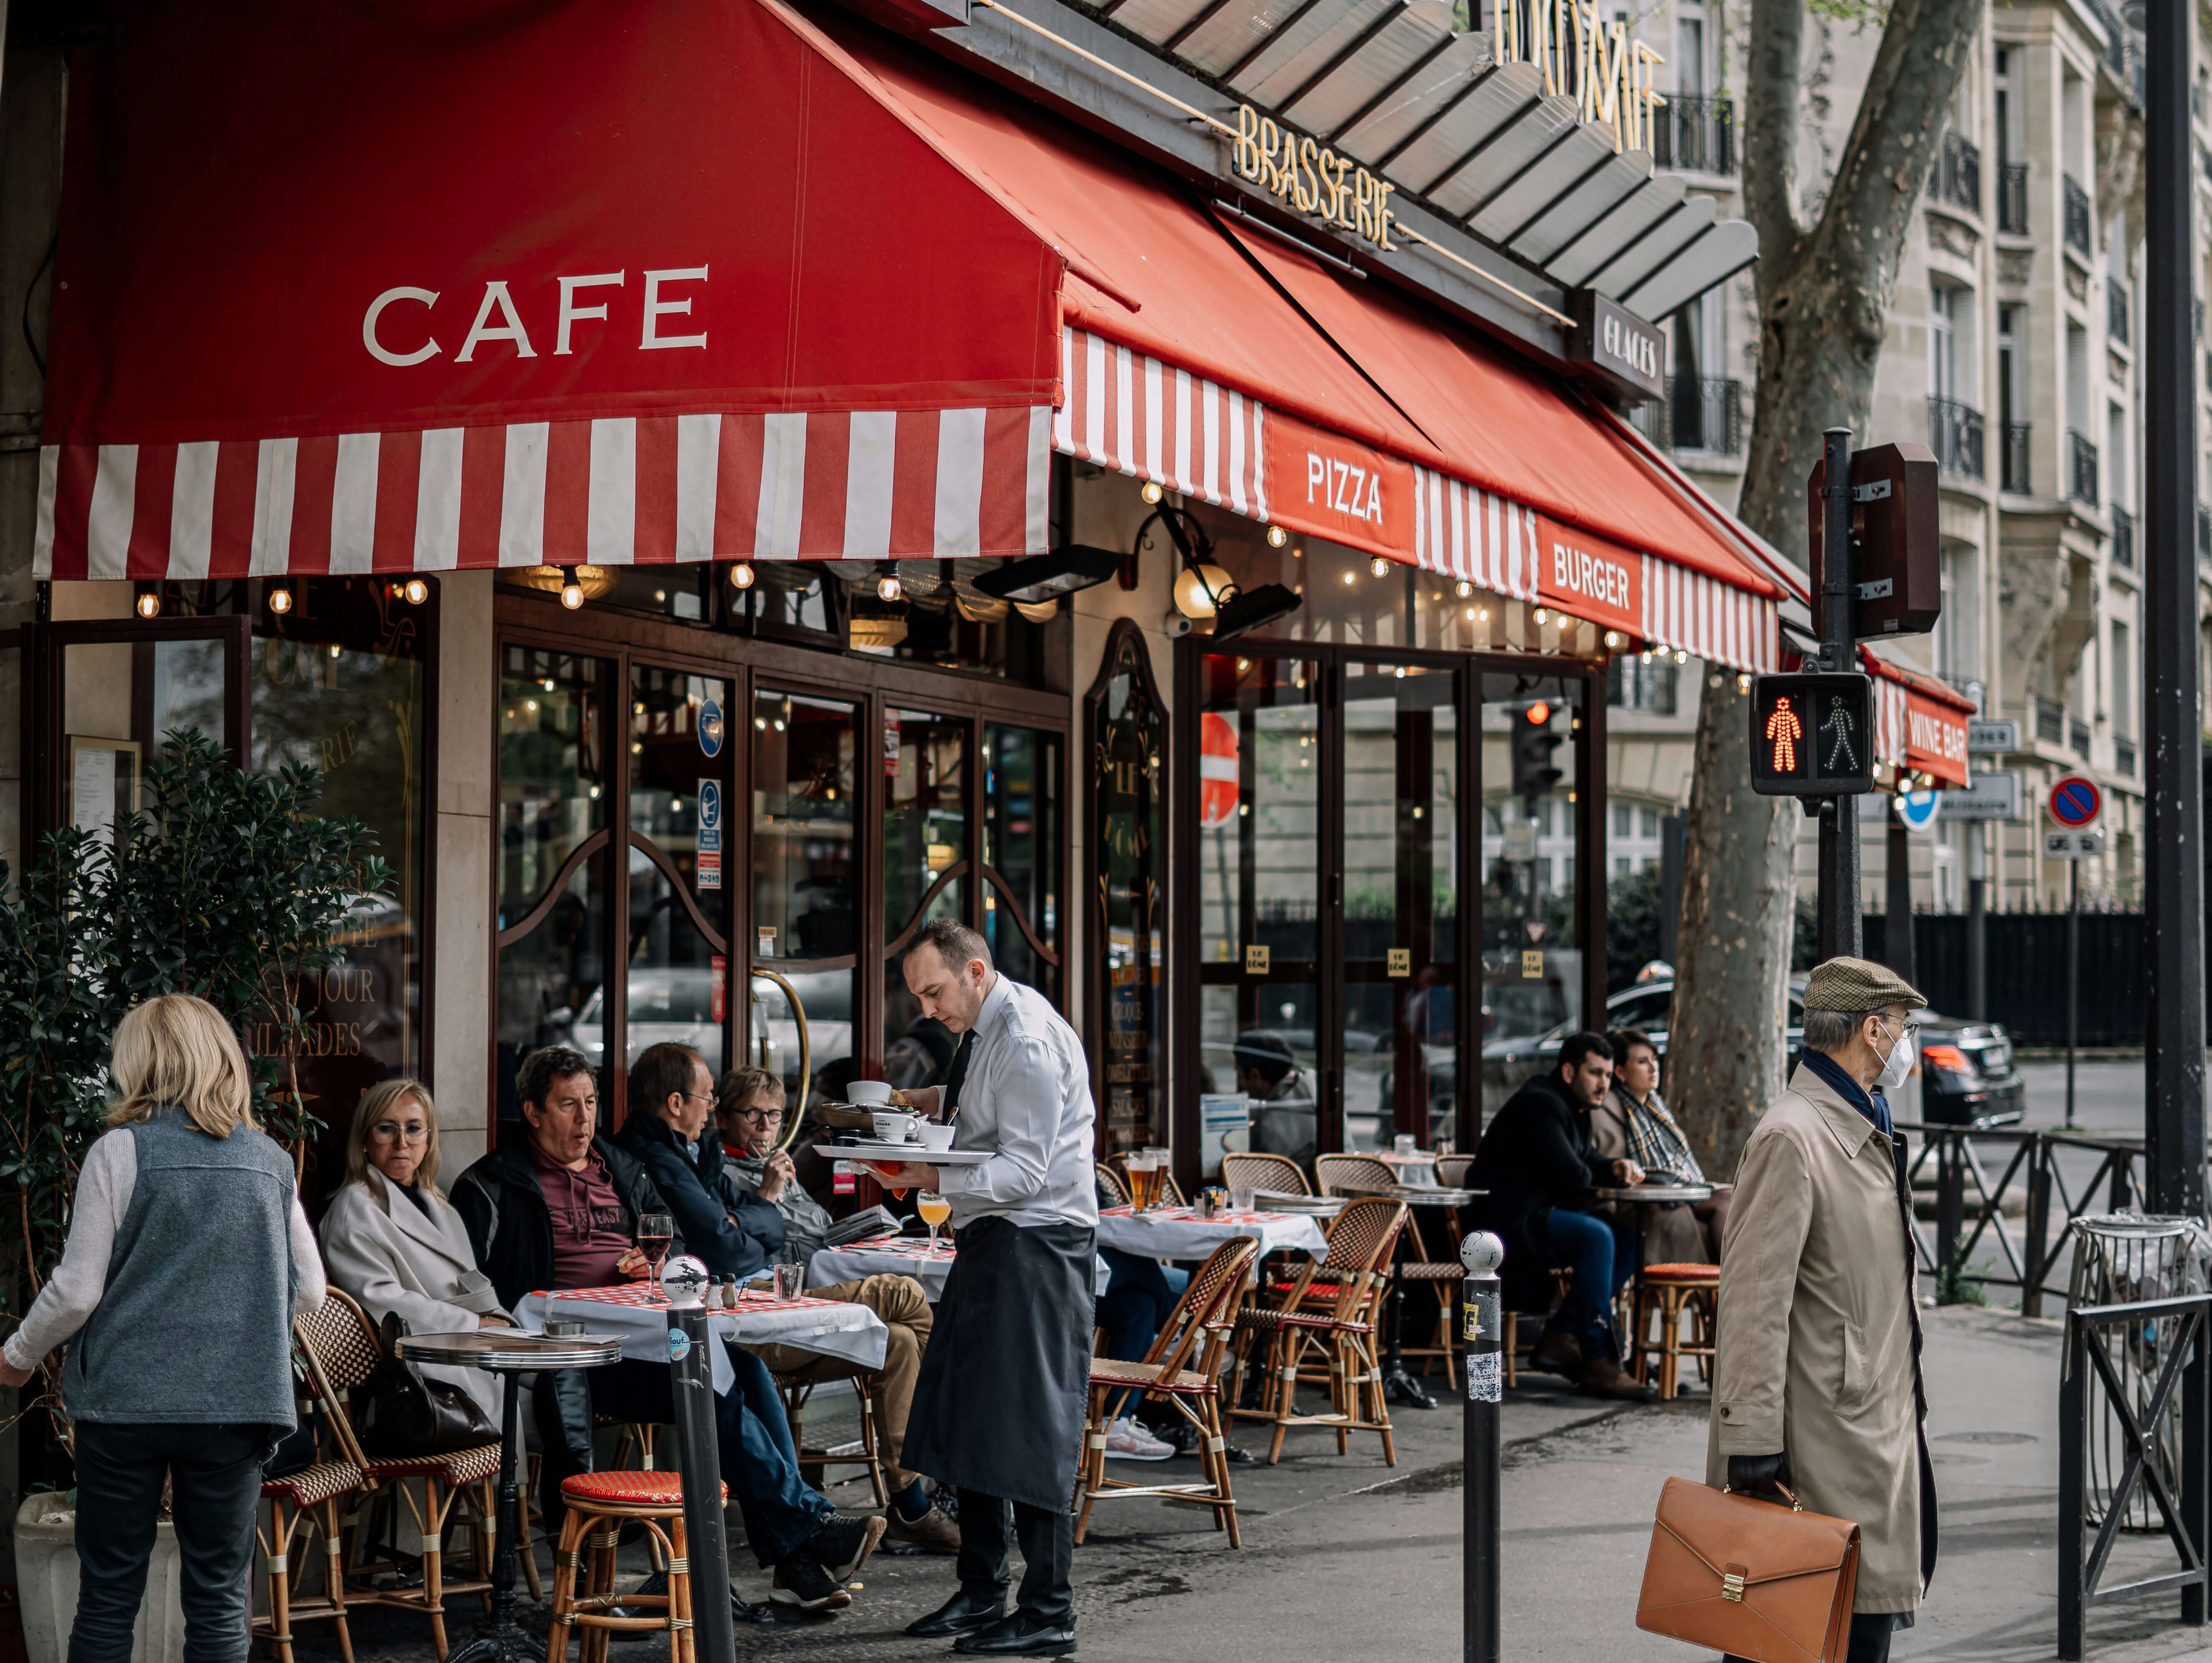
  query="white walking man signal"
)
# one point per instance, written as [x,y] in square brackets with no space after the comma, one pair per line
[1838,726]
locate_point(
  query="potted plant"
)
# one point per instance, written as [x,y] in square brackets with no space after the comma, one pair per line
[226,884]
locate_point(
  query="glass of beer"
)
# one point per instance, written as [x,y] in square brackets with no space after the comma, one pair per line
[934,1210]
[1143,1170]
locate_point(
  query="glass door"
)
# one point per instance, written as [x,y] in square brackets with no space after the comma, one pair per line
[928,868]
[1260,864]
[679,903]
[805,767]
[1024,834]
[1400,908]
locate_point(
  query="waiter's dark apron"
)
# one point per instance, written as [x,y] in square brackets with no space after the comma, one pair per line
[998,1404]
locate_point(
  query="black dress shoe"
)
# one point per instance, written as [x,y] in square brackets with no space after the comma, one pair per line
[962,1612]
[1014,1636]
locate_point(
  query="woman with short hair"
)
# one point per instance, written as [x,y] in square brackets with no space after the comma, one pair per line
[187,1256]
[396,1244]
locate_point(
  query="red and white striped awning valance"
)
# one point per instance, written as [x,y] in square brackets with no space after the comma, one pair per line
[1130,412]
[843,485]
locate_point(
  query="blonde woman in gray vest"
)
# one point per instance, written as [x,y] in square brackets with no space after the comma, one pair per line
[187,1255]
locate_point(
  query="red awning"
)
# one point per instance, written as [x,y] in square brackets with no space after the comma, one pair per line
[383,289]
[1920,723]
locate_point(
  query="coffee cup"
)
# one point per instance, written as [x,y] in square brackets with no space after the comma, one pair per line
[893,1127]
[870,1094]
[937,1137]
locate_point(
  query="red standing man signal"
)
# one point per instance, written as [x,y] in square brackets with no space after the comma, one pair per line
[1784,730]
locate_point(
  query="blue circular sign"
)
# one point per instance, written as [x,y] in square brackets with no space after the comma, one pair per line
[710,728]
[2076,801]
[1918,809]
[710,805]
[679,1345]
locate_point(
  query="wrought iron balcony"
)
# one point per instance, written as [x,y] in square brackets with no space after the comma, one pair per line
[1695,133]
[2123,539]
[1958,172]
[2013,464]
[2203,534]
[1700,412]
[1954,434]
[2078,217]
[2049,721]
[2081,469]
[2012,197]
[2116,313]
[2077,736]
[2123,758]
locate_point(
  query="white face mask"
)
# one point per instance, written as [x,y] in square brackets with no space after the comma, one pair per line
[1899,1064]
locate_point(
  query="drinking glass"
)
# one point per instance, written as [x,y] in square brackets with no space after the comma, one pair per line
[1240,1198]
[655,1230]
[934,1210]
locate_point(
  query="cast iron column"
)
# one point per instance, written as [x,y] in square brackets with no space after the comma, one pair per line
[1840,931]
[2173,877]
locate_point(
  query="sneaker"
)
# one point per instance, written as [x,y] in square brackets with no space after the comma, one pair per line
[800,1582]
[932,1533]
[844,1542]
[1128,1440]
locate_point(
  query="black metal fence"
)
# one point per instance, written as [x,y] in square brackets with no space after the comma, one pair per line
[2160,1366]
[1700,412]
[2027,971]
[2016,476]
[2123,539]
[1958,172]
[2082,468]
[2077,216]
[1954,434]
[2012,197]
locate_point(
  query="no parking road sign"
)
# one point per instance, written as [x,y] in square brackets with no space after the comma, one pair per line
[2075,803]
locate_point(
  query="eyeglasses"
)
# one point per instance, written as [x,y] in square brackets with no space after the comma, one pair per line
[761,1114]
[390,1131]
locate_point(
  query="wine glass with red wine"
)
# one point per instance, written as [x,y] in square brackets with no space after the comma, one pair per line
[655,1232]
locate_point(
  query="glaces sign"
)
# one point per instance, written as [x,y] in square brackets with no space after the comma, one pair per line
[1312,178]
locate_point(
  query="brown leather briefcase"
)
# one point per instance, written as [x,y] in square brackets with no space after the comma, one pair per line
[1737,1574]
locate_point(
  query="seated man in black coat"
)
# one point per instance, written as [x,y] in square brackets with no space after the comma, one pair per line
[1539,1165]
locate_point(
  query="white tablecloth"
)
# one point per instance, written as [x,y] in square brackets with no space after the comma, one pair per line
[640,1322]
[1179,1232]
[894,1255]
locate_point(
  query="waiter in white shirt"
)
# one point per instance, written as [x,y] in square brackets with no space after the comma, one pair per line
[998,1411]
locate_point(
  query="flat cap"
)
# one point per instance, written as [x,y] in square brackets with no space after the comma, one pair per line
[1854,985]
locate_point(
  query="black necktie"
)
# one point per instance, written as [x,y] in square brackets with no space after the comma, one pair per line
[957,1073]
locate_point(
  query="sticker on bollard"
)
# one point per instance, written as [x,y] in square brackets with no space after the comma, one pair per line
[1486,1379]
[1482,1252]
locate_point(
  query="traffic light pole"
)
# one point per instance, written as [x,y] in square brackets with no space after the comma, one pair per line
[1839,926]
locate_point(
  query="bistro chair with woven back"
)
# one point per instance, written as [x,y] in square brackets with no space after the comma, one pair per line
[1275,1174]
[1443,1277]
[342,1351]
[1183,1369]
[1319,1328]
[304,1502]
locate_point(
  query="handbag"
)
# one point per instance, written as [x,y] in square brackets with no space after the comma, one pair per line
[398,1412]
[1740,1575]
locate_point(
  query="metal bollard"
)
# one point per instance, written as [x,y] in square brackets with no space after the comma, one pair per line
[698,1462]
[1482,1254]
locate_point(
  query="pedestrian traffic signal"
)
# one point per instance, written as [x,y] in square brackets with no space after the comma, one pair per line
[1812,734]
[1534,742]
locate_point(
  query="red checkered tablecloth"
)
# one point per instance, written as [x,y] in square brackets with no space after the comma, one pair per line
[633,1314]
[1179,1232]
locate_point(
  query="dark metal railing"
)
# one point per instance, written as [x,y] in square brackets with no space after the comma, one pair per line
[2077,216]
[2049,721]
[2012,197]
[2123,758]
[2116,312]
[2014,463]
[2160,1369]
[1954,433]
[1699,413]
[1696,133]
[2077,736]
[2204,533]
[1958,172]
[2123,538]
[2081,469]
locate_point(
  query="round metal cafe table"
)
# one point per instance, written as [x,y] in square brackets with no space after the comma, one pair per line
[511,1353]
[1654,1193]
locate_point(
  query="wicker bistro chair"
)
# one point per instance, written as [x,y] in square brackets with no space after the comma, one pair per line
[796,1392]
[1668,1293]
[1363,1175]
[598,1505]
[1183,1368]
[1277,1173]
[302,1503]
[341,1350]
[1453,1171]
[1340,1326]
[1110,1181]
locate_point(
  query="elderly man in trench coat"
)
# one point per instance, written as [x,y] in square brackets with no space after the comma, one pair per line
[1817,1379]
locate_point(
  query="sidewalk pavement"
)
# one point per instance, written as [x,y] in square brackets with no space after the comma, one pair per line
[1346,1557]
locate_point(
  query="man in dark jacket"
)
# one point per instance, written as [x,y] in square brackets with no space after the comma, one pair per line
[672,1099]
[1538,1163]
[558,1209]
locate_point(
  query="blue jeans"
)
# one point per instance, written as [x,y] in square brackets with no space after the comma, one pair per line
[1139,1294]
[760,1462]
[1587,1245]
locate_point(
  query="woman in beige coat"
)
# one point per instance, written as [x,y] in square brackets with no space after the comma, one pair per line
[391,1241]
[1817,1378]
